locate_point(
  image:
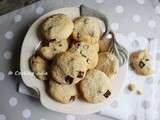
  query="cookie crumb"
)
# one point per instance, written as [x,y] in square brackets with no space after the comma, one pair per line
[131,87]
[139,92]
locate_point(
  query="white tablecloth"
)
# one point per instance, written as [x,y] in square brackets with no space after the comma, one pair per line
[128,17]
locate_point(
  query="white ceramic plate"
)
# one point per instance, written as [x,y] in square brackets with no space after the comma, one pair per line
[30,43]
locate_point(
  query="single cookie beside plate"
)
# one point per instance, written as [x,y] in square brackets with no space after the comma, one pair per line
[140,62]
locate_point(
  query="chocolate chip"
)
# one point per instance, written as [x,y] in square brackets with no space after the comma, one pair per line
[72,98]
[146,59]
[82,54]
[54,49]
[52,40]
[78,44]
[72,59]
[91,33]
[80,74]
[60,45]
[141,64]
[107,94]
[87,60]
[68,79]
[78,35]
[49,28]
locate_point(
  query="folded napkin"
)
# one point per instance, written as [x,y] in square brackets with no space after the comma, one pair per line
[128,105]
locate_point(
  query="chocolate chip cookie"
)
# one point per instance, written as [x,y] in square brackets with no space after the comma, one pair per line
[39,66]
[87,51]
[57,27]
[104,44]
[68,68]
[95,87]
[140,62]
[86,29]
[109,64]
[50,49]
[62,93]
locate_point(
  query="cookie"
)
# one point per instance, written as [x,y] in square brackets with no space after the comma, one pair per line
[109,64]
[57,27]
[104,45]
[68,68]
[89,52]
[140,62]
[39,66]
[95,87]
[49,50]
[96,46]
[86,29]
[62,93]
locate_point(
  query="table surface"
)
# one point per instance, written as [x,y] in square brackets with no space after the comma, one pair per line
[10,5]
[125,16]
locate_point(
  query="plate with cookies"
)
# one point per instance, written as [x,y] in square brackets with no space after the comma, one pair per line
[73,60]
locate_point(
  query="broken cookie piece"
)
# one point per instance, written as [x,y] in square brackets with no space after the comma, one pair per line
[139,92]
[131,87]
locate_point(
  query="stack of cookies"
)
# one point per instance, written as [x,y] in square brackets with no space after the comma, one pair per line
[70,60]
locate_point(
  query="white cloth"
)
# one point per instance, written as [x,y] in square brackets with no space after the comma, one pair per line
[129,105]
